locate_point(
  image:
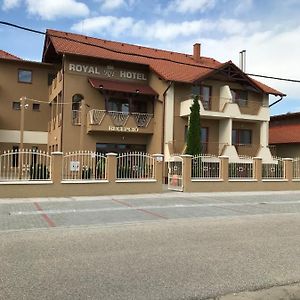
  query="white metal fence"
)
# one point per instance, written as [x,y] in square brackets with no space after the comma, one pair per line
[205,167]
[241,169]
[135,165]
[84,165]
[296,168]
[23,165]
[274,170]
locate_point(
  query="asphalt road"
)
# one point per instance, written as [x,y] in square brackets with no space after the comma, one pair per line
[175,246]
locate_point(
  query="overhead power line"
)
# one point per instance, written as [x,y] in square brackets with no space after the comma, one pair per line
[136,54]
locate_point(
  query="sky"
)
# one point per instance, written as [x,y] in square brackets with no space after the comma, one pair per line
[269,31]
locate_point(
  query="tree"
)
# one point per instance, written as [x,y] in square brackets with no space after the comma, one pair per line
[194,130]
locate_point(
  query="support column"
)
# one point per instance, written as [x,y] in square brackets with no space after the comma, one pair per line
[186,171]
[224,168]
[111,168]
[257,168]
[56,167]
[288,168]
[158,167]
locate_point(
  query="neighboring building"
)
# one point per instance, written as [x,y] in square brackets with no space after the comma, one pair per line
[115,97]
[20,78]
[284,135]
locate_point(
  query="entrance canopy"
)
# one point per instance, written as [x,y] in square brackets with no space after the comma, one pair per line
[120,86]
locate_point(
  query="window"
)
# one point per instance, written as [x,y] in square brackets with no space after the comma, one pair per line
[120,105]
[204,139]
[139,106]
[25,76]
[240,97]
[36,107]
[204,92]
[15,157]
[76,101]
[241,137]
[16,105]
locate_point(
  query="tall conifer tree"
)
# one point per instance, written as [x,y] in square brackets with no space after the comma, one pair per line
[194,129]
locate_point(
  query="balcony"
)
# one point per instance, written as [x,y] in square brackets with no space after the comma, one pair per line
[115,121]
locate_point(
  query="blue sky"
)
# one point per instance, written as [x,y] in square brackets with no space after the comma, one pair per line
[269,30]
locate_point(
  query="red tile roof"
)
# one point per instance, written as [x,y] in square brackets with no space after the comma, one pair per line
[121,86]
[173,66]
[284,134]
[6,55]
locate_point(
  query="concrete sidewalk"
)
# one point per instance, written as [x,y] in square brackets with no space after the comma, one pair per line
[286,292]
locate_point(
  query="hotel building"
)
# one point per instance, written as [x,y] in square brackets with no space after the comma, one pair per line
[115,97]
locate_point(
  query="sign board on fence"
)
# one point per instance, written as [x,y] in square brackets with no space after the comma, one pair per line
[74,166]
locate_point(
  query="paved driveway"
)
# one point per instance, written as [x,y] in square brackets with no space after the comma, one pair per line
[20,214]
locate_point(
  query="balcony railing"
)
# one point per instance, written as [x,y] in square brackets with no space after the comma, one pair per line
[96,116]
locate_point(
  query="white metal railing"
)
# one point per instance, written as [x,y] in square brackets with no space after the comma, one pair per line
[205,167]
[96,116]
[273,170]
[84,165]
[241,170]
[142,119]
[119,118]
[25,164]
[76,117]
[135,165]
[296,168]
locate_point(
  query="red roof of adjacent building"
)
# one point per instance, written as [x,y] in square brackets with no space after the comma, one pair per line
[284,134]
[6,55]
[172,66]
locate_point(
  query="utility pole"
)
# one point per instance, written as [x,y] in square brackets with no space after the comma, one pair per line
[22,120]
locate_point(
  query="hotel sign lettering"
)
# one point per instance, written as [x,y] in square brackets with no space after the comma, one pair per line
[123,129]
[107,72]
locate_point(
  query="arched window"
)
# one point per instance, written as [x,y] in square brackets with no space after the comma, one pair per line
[76,101]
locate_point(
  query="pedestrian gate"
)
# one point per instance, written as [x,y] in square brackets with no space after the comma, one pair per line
[175,179]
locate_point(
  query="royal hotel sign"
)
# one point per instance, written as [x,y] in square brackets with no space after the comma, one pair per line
[107,72]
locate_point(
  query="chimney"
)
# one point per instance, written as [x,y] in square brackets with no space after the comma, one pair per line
[197,52]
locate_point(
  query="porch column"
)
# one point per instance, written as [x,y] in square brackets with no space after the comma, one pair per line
[264,134]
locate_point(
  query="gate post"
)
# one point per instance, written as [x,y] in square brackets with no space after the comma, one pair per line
[186,171]
[257,161]
[56,167]
[224,167]
[111,167]
[158,167]
[288,169]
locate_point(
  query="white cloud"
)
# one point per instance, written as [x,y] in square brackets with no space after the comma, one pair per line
[10,4]
[52,9]
[111,4]
[243,6]
[161,30]
[190,6]
[115,26]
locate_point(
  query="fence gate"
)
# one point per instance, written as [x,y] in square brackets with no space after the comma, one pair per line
[175,179]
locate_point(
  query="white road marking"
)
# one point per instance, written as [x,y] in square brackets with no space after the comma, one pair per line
[149,207]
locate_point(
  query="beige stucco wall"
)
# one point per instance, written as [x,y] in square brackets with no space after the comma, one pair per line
[77,83]
[35,122]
